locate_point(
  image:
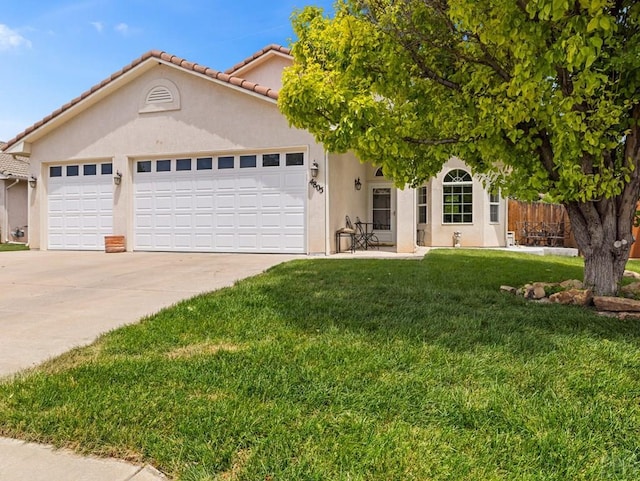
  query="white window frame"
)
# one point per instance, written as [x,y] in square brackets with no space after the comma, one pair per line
[460,180]
[494,207]
[422,202]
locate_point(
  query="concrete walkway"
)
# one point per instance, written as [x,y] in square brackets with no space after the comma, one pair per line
[51,302]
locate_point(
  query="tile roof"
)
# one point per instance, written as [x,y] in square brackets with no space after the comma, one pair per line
[273,47]
[13,167]
[168,58]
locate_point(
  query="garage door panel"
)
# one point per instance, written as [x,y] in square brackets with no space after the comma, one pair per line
[163,221]
[184,202]
[183,241]
[271,200]
[183,221]
[203,241]
[204,221]
[225,184]
[271,220]
[224,241]
[248,220]
[164,202]
[247,201]
[202,202]
[225,201]
[292,241]
[271,182]
[224,220]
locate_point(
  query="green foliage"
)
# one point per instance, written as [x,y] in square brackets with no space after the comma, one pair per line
[537,95]
[343,370]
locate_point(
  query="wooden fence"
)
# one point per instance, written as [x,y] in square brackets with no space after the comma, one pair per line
[540,223]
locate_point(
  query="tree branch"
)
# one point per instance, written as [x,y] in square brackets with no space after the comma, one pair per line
[434,142]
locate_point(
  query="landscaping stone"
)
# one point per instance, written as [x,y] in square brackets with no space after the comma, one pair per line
[631,290]
[509,289]
[616,304]
[633,274]
[538,292]
[572,284]
[580,297]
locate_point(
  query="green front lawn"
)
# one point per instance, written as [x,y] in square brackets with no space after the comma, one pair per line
[355,370]
[13,247]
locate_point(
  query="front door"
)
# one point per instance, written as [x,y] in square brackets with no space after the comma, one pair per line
[382,200]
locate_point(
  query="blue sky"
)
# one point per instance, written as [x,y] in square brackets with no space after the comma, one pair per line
[51,51]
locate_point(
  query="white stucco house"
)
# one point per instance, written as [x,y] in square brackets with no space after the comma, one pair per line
[176,156]
[14,172]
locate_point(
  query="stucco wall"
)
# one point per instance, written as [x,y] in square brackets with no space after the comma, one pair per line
[479,233]
[213,119]
[345,200]
[267,72]
[13,210]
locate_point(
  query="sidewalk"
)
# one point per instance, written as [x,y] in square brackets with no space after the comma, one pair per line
[20,461]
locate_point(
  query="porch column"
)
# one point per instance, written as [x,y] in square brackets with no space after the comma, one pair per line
[406,220]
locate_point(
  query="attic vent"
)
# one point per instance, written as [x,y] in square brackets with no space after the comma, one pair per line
[159,95]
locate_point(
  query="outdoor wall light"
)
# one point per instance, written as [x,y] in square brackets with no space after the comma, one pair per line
[357,184]
[314,169]
[117,178]
[33,181]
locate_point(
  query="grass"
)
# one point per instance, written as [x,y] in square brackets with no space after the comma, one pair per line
[13,247]
[355,370]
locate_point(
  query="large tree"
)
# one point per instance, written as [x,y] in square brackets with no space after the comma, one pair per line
[539,96]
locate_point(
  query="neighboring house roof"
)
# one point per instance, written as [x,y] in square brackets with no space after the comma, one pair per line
[155,56]
[10,166]
[270,49]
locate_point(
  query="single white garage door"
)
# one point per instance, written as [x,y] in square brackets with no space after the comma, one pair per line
[80,205]
[242,203]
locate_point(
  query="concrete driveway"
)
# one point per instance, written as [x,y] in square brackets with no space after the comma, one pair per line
[51,302]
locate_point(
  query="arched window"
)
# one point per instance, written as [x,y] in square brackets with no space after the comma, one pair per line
[379,172]
[457,197]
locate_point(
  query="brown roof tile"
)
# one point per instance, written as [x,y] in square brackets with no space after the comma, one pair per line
[181,63]
[260,53]
[17,167]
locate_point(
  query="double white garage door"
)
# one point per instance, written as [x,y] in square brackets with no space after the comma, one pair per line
[244,203]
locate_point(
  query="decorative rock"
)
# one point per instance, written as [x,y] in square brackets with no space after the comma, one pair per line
[580,297]
[631,290]
[509,289]
[633,274]
[572,284]
[617,304]
[538,292]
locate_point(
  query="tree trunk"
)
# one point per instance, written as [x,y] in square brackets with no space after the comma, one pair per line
[603,232]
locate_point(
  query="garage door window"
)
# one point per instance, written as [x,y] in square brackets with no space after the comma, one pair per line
[225,162]
[89,169]
[271,160]
[183,164]
[204,163]
[73,170]
[247,161]
[55,171]
[163,165]
[106,169]
[296,158]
